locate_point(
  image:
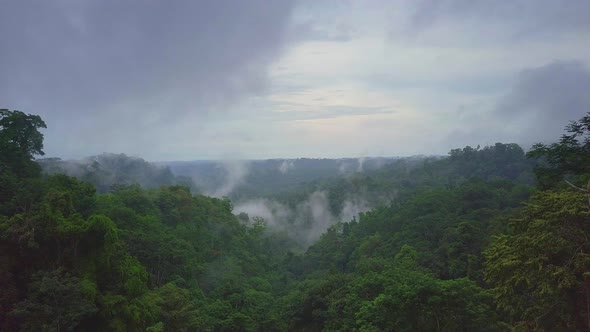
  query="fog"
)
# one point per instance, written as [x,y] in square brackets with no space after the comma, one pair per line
[308,220]
[235,173]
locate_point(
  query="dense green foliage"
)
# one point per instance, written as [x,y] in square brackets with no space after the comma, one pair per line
[463,243]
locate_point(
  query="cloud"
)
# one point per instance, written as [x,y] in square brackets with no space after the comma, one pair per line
[543,100]
[516,20]
[276,79]
[130,66]
[540,103]
[328,112]
[556,91]
[312,30]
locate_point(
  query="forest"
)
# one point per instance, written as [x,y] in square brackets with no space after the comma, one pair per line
[490,238]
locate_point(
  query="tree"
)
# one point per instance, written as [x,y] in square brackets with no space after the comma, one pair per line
[55,302]
[20,141]
[570,156]
[539,271]
[177,310]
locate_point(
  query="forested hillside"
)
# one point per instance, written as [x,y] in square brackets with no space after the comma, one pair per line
[245,179]
[485,239]
[106,170]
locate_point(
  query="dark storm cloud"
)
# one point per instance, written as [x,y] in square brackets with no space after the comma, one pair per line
[143,62]
[88,54]
[546,98]
[553,92]
[540,103]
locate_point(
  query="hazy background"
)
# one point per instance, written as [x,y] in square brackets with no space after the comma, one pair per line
[186,80]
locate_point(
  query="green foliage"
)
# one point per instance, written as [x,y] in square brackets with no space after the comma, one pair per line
[20,141]
[539,269]
[448,246]
[378,282]
[178,311]
[56,301]
[570,156]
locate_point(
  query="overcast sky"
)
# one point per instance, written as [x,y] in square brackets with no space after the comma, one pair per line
[184,80]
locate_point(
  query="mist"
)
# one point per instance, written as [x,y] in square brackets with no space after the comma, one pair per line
[108,169]
[235,172]
[306,221]
[286,166]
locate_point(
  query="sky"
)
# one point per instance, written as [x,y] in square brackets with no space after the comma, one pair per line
[257,79]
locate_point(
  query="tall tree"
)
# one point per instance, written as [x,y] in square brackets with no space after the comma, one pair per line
[20,141]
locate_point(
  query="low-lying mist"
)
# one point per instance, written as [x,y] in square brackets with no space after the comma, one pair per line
[108,169]
[300,197]
[307,220]
[235,174]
